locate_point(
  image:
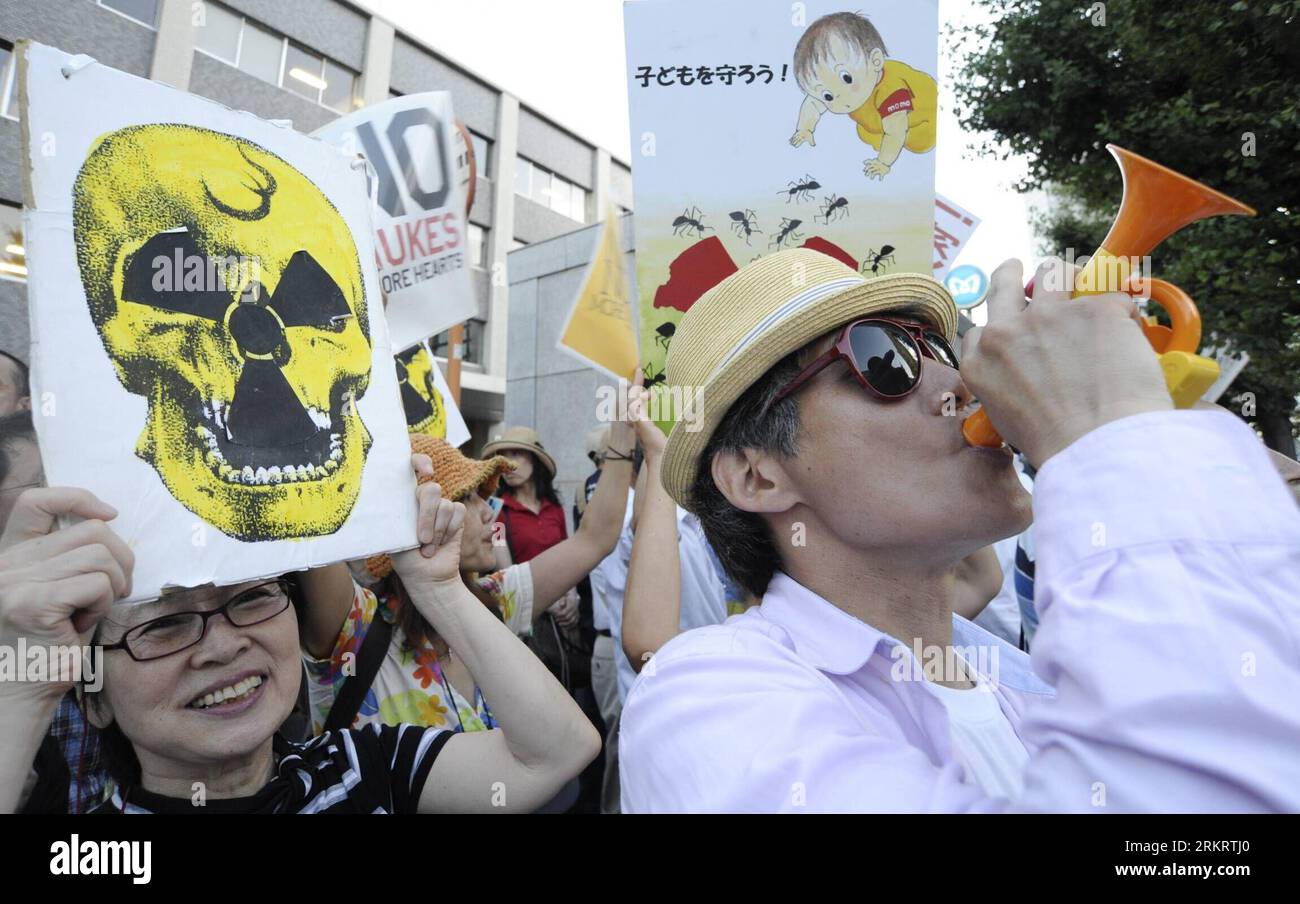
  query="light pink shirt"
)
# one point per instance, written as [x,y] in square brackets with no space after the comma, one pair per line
[1168,584]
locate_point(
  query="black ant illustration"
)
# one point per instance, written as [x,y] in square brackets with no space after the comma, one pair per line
[834,208]
[876,261]
[691,218]
[801,190]
[788,228]
[744,222]
[666,332]
[652,378]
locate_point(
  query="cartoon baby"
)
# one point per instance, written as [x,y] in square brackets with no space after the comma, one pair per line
[840,64]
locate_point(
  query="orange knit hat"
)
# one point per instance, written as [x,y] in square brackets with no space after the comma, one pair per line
[457,474]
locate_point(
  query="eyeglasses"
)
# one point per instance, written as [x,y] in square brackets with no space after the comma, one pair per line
[178,631]
[884,354]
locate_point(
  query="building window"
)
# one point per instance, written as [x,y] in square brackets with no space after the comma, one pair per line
[233,39]
[8,81]
[473,351]
[550,190]
[217,33]
[260,53]
[143,11]
[340,89]
[13,256]
[477,246]
[302,72]
[482,154]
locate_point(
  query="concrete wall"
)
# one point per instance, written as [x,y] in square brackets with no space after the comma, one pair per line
[415,70]
[553,148]
[620,184]
[547,389]
[238,90]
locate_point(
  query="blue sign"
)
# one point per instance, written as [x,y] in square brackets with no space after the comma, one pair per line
[967,284]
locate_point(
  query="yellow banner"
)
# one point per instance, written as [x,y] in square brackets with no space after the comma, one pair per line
[600,330]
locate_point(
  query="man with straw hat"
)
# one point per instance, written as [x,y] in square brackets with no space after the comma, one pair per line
[828,468]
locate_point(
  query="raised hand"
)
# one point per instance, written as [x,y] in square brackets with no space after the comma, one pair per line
[1059,368]
[55,584]
[440,525]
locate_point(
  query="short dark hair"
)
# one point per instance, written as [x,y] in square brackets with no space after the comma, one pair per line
[742,540]
[14,428]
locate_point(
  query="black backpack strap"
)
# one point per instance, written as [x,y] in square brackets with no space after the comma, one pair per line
[355,687]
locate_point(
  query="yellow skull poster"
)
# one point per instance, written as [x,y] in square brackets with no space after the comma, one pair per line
[426,397]
[207,336]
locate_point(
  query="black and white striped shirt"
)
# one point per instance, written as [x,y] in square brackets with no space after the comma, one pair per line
[373,769]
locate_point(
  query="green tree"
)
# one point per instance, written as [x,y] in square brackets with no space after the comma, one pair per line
[1208,88]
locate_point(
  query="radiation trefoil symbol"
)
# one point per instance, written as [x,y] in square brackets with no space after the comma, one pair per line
[425,411]
[252,379]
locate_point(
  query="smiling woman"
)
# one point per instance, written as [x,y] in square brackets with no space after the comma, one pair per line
[196,685]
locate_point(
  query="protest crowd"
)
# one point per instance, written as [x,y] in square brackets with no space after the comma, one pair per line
[811,594]
[794,703]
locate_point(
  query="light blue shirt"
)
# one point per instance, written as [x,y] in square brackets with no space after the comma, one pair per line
[1169,629]
[703,594]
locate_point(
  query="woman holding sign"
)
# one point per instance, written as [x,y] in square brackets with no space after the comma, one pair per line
[195,684]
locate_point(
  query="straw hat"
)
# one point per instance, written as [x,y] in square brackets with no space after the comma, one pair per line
[457,475]
[747,323]
[524,438]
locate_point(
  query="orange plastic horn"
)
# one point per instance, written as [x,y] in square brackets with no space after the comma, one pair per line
[1157,202]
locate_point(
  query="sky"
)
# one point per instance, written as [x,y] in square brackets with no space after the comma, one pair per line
[566,59]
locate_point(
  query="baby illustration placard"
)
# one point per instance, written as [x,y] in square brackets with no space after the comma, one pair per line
[768,124]
[207,337]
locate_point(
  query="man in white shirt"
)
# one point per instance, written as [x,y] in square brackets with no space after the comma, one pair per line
[828,469]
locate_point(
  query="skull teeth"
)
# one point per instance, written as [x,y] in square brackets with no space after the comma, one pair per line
[262,476]
[320,418]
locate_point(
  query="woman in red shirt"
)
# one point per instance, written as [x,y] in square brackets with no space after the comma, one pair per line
[531,511]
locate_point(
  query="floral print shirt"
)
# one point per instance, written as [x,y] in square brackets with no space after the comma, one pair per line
[410,686]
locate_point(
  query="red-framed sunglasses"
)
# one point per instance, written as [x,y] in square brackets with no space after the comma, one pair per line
[884,354]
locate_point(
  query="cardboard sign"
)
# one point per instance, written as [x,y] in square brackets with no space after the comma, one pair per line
[426,398]
[600,330]
[759,125]
[209,354]
[421,242]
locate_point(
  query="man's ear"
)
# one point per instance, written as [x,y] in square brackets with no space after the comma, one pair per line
[753,481]
[877,59]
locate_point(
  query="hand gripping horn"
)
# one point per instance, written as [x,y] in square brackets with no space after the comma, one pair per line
[1157,202]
